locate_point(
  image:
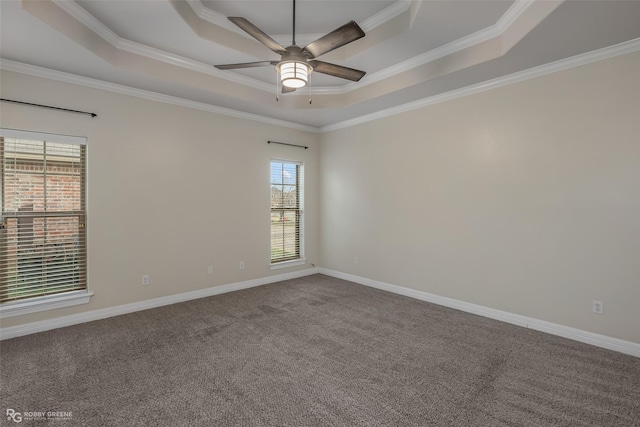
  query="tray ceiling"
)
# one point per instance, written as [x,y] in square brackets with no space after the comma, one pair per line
[413,49]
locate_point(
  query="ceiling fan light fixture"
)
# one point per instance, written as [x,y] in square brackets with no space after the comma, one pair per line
[294,74]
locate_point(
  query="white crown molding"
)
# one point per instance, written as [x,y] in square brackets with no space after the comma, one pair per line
[385,15]
[90,21]
[327,90]
[60,76]
[598,340]
[563,64]
[89,316]
[511,15]
[496,30]
[215,18]
[368,24]
[508,18]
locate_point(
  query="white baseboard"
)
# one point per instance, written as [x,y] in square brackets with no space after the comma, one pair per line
[89,316]
[597,340]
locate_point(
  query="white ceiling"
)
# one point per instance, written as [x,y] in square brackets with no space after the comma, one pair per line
[413,49]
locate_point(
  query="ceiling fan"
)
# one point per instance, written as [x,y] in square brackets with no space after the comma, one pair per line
[296,63]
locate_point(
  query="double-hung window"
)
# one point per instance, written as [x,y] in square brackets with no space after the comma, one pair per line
[287,222]
[43,232]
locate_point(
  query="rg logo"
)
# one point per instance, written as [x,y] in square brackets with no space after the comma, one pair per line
[13,415]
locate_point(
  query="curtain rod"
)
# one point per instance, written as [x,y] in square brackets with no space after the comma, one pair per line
[284,143]
[50,107]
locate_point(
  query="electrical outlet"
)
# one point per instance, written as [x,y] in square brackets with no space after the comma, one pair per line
[241,265]
[355,260]
[210,269]
[145,279]
[598,307]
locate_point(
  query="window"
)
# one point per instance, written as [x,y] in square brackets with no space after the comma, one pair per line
[43,207]
[287,191]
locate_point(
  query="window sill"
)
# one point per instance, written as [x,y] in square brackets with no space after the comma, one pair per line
[49,302]
[286,264]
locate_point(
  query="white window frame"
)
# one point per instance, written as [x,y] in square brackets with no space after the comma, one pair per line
[48,302]
[301,260]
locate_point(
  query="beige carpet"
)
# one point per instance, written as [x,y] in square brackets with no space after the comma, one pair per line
[314,351]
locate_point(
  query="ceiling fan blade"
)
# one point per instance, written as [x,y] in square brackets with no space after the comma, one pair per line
[288,89]
[258,34]
[337,70]
[245,65]
[346,34]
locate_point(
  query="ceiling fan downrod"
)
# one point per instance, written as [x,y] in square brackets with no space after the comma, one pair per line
[293,37]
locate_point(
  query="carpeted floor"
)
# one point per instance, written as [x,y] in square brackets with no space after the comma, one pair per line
[315,351]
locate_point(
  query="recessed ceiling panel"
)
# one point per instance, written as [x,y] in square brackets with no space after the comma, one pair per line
[312,16]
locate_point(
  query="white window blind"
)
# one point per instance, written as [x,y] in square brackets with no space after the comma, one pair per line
[287,196]
[43,207]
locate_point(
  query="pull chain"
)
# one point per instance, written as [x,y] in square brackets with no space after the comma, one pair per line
[277,85]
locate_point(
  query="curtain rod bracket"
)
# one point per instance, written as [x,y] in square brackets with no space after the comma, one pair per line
[284,143]
[49,107]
